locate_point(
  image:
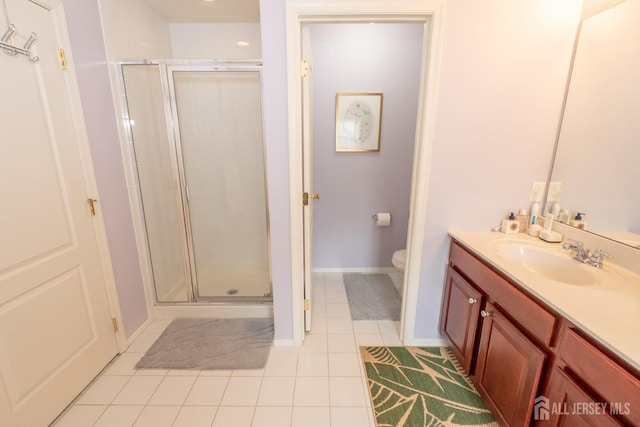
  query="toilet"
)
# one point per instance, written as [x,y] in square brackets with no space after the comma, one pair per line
[399,259]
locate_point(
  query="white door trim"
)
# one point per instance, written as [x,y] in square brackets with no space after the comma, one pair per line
[87,167]
[431,12]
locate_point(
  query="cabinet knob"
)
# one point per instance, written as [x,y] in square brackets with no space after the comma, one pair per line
[485,313]
[472,300]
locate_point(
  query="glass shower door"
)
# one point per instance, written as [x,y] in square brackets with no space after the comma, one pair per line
[219,135]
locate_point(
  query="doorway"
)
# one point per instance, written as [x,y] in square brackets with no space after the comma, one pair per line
[354,63]
[428,13]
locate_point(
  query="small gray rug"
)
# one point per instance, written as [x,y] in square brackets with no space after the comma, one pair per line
[211,344]
[372,296]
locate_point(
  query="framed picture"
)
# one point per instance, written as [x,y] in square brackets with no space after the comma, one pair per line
[358,118]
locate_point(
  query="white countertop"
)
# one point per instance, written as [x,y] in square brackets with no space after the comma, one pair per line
[611,315]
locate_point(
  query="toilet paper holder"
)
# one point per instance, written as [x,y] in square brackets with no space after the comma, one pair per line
[375,216]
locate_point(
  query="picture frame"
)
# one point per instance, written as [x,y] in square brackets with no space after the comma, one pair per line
[358,121]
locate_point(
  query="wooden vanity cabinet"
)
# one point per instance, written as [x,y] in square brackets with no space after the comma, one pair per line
[509,368]
[460,316]
[525,358]
[499,335]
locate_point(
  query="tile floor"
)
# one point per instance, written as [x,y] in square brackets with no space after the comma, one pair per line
[319,384]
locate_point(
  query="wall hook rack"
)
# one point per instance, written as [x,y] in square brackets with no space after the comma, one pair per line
[8,47]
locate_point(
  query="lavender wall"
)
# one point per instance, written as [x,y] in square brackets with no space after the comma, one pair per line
[276,135]
[87,43]
[363,58]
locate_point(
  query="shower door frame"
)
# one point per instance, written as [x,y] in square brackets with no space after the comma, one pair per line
[166,68]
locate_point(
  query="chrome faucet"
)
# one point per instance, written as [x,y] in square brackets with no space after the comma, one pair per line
[581,254]
[597,256]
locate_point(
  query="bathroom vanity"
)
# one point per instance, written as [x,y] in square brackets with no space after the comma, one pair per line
[543,338]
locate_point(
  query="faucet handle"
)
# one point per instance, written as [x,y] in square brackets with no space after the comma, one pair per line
[600,254]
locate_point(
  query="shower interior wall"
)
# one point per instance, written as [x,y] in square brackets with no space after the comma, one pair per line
[132,30]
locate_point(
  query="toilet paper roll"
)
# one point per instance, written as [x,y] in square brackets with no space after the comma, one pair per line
[383,219]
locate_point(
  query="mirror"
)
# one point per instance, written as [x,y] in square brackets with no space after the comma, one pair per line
[597,162]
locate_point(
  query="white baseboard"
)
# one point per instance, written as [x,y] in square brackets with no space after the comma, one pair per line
[137,332]
[427,342]
[382,270]
[283,343]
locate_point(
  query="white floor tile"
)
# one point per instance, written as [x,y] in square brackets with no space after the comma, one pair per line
[172,391]
[318,384]
[207,391]
[81,416]
[157,416]
[347,391]
[103,390]
[272,416]
[350,417]
[281,363]
[344,365]
[339,325]
[124,364]
[389,327]
[242,391]
[369,340]
[304,416]
[143,343]
[318,325]
[276,391]
[311,391]
[228,416]
[313,365]
[119,416]
[157,326]
[342,343]
[314,343]
[138,391]
[195,416]
[365,327]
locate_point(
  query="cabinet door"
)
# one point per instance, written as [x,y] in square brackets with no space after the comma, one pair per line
[568,405]
[459,319]
[508,370]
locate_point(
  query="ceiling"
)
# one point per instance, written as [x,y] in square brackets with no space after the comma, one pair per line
[217,11]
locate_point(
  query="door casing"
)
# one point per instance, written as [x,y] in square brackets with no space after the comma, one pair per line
[429,12]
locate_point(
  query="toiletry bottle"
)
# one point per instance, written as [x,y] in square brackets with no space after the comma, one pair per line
[510,225]
[555,209]
[523,219]
[578,222]
[563,216]
[535,211]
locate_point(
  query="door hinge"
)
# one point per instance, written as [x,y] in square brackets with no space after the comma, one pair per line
[305,199]
[91,204]
[304,68]
[307,305]
[114,321]
[62,58]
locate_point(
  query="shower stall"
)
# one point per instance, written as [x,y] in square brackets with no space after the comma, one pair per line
[196,136]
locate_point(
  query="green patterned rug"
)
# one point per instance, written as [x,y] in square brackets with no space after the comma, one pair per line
[421,386]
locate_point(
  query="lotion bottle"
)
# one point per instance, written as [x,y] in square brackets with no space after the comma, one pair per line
[523,220]
[578,222]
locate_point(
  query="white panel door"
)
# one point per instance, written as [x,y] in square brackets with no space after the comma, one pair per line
[55,323]
[307,173]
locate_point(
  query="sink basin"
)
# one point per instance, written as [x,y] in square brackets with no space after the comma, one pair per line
[552,265]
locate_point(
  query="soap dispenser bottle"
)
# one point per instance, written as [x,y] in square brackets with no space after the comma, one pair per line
[510,225]
[578,222]
[523,219]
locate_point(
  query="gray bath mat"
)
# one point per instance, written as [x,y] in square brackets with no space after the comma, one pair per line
[372,296]
[211,344]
